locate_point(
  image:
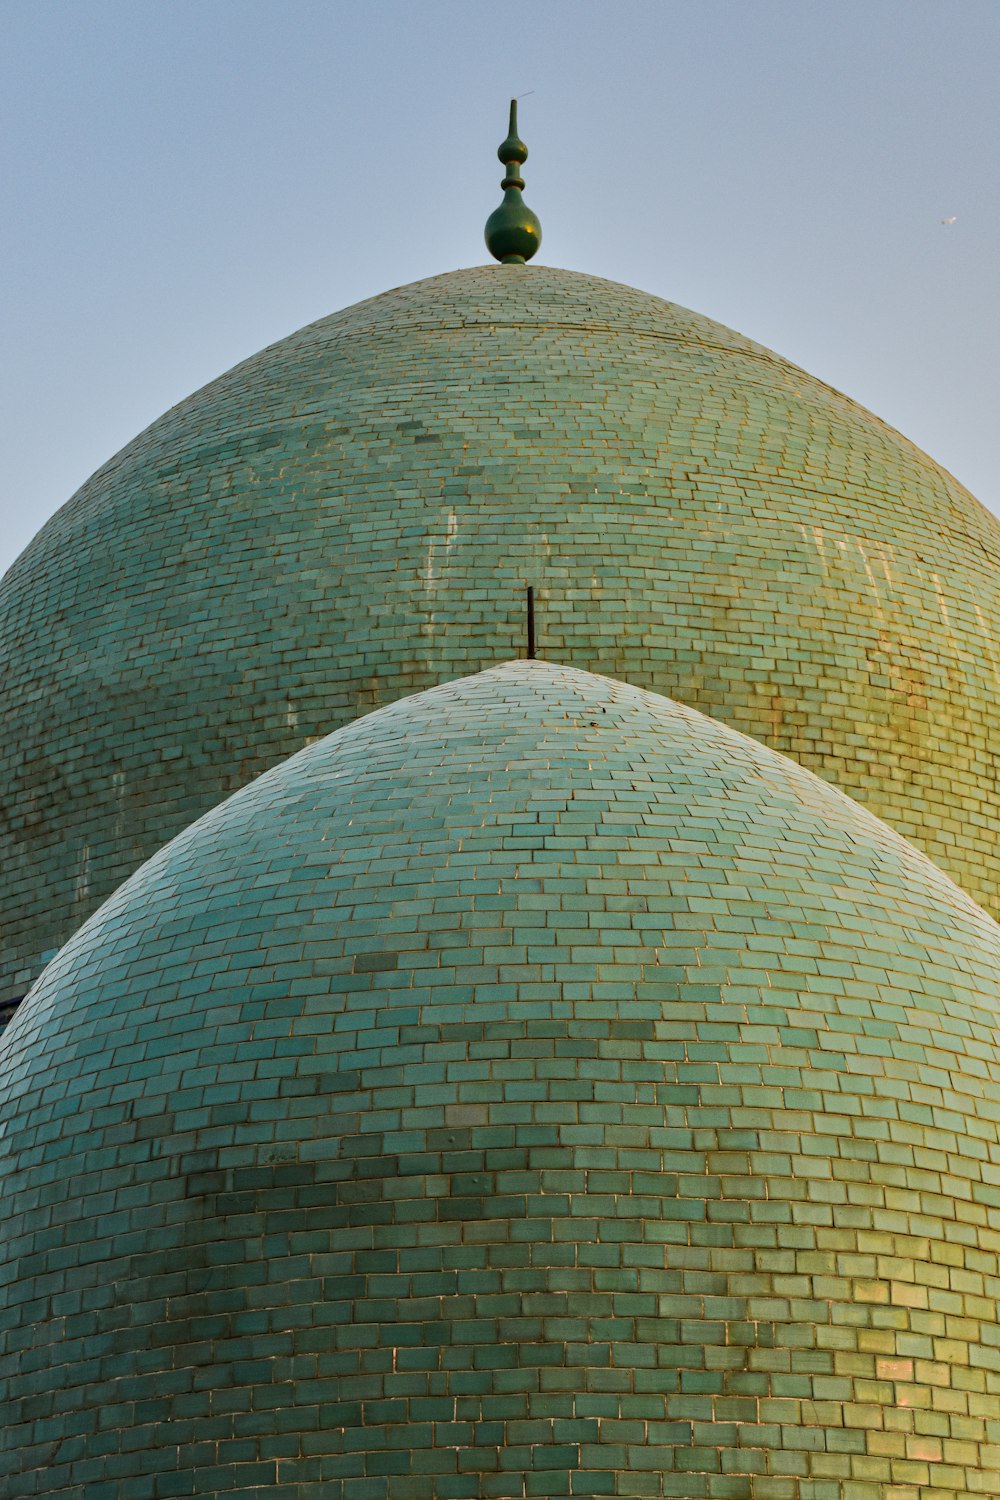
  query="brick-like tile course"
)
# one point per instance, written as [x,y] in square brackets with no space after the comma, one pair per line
[352,515]
[533,1089]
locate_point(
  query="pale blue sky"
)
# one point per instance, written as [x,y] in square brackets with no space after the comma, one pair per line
[185,181]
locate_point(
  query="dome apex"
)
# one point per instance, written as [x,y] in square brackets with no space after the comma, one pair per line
[513,233]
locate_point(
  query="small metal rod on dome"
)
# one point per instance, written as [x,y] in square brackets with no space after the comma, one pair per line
[530,654]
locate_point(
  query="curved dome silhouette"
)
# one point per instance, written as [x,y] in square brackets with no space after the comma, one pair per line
[353,515]
[532,1083]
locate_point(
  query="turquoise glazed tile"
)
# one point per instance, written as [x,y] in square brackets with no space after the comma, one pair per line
[353,515]
[311,1189]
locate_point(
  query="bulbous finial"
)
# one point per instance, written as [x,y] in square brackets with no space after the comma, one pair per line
[513,232]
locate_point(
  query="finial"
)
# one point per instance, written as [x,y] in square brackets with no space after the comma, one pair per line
[513,232]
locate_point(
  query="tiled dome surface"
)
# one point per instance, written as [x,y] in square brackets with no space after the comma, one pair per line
[533,1089]
[352,515]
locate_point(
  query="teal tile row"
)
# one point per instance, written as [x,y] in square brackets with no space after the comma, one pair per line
[533,1089]
[353,515]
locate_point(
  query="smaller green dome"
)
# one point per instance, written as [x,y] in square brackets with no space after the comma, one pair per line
[534,1078]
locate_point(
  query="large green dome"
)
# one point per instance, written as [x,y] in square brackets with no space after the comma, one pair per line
[533,1089]
[353,515]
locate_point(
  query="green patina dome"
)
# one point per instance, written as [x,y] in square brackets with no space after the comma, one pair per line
[533,1089]
[353,515]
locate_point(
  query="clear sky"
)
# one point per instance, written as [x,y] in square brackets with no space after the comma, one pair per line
[185,181]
